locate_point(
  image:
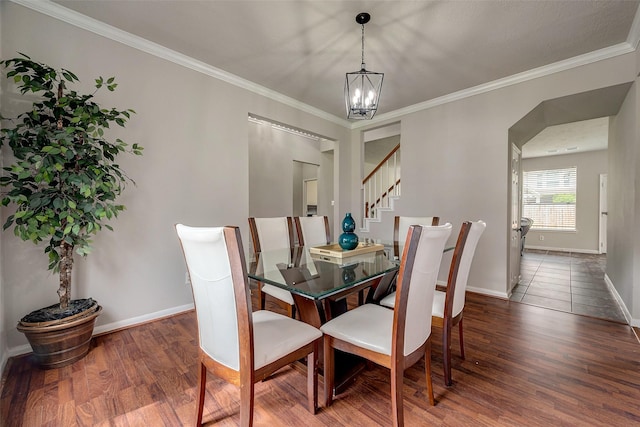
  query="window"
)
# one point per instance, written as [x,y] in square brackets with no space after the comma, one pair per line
[549,198]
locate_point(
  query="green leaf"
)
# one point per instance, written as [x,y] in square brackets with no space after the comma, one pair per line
[64,182]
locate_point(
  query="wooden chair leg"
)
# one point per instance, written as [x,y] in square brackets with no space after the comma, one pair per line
[246,404]
[312,378]
[427,368]
[397,409]
[328,371]
[202,384]
[461,339]
[446,352]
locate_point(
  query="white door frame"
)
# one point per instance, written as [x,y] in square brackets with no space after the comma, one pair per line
[602,233]
[515,173]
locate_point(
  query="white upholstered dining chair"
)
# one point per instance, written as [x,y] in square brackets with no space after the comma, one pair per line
[233,343]
[448,305]
[270,234]
[401,226]
[313,230]
[394,339]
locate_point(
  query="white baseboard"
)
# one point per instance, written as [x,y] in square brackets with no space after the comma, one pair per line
[482,291]
[627,315]
[141,319]
[549,248]
[489,293]
[26,348]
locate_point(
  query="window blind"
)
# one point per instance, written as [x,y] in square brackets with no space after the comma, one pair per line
[549,198]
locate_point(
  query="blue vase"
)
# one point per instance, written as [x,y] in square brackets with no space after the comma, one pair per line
[348,240]
[348,223]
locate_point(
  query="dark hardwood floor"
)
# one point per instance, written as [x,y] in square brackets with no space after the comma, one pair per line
[525,365]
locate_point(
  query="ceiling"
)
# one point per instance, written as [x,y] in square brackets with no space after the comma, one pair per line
[569,138]
[427,49]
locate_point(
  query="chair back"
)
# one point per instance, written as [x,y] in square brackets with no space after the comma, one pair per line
[401,226]
[468,238]
[313,230]
[216,267]
[271,233]
[416,285]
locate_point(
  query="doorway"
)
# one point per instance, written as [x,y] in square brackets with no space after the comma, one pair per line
[564,269]
[305,188]
[310,197]
[598,103]
[281,158]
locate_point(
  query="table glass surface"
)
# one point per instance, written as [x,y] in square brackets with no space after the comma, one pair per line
[315,276]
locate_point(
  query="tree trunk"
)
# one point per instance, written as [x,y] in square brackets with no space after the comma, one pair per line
[66,263]
[66,250]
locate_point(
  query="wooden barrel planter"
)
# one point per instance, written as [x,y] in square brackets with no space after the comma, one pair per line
[58,343]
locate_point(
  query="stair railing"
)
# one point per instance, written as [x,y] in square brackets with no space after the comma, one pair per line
[382,184]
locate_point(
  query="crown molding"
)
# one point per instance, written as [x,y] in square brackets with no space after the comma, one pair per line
[97,27]
[567,64]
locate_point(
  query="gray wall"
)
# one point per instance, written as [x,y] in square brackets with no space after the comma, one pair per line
[623,241]
[589,167]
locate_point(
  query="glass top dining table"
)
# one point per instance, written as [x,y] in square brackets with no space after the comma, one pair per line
[317,277]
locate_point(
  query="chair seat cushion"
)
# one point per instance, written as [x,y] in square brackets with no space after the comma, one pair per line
[276,292]
[368,326]
[438,304]
[389,300]
[275,336]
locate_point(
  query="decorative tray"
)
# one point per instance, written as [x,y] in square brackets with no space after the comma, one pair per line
[334,250]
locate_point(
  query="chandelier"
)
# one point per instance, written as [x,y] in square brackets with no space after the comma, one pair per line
[362,88]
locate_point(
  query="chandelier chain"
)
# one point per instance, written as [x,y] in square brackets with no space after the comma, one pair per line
[363,46]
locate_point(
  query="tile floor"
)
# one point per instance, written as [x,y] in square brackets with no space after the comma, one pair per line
[570,282]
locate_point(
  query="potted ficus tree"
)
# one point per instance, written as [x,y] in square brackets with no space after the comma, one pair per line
[64,182]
